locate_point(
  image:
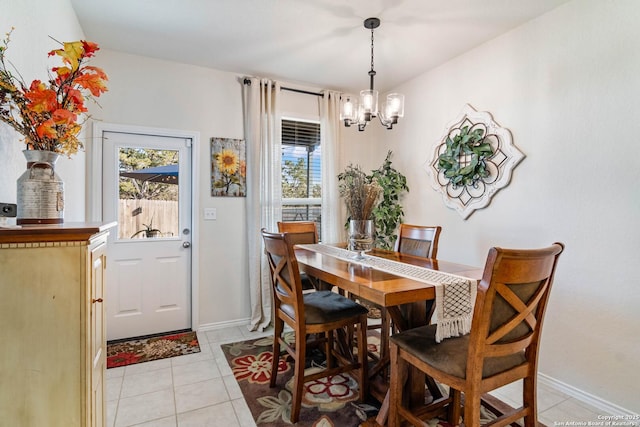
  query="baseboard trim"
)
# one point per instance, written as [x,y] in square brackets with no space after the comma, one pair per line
[602,405]
[222,325]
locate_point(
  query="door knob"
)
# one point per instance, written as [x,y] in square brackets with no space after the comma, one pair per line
[186,244]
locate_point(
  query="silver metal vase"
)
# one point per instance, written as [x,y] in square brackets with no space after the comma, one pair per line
[40,190]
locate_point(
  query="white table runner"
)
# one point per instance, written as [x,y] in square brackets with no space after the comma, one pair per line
[455,295]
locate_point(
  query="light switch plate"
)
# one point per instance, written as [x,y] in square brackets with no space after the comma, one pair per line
[210,214]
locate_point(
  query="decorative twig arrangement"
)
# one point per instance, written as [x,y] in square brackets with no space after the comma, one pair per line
[361,194]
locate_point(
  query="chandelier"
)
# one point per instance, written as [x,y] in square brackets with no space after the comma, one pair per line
[361,111]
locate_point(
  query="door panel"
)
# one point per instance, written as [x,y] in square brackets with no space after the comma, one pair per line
[147,189]
[97,337]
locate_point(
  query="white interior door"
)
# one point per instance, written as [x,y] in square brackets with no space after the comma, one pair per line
[147,189]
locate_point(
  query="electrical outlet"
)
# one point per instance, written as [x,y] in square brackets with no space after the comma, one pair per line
[8,210]
[210,214]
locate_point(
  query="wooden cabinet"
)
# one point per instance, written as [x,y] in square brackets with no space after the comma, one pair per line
[52,325]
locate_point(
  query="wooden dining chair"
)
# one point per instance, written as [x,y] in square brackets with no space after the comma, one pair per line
[304,232]
[415,240]
[418,240]
[299,227]
[501,348]
[320,312]
[422,241]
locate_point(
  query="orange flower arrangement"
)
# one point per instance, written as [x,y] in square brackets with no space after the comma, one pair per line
[47,114]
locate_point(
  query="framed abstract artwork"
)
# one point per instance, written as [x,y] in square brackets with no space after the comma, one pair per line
[228,167]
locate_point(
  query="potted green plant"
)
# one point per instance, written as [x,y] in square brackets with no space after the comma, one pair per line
[148,231]
[388,213]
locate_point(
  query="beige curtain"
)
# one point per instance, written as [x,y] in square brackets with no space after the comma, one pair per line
[264,194]
[330,129]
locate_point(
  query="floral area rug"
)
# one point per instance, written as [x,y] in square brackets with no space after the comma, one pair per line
[326,402]
[331,401]
[145,349]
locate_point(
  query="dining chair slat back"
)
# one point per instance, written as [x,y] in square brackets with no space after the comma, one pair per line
[501,348]
[299,227]
[415,240]
[302,232]
[418,240]
[320,313]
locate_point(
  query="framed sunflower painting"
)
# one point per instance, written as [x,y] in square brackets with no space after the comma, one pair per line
[228,167]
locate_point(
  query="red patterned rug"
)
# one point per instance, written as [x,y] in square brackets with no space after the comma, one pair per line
[154,347]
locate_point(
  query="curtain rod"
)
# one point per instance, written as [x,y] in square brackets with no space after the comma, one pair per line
[290,89]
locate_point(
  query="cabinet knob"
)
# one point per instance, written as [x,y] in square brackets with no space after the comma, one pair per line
[96,300]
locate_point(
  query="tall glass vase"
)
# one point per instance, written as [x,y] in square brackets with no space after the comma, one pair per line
[361,236]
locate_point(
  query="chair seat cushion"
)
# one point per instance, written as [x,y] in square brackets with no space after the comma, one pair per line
[450,355]
[325,307]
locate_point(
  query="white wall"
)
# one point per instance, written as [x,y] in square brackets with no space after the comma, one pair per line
[567,87]
[34,22]
[162,94]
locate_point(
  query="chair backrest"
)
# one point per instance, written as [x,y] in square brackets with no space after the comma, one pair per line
[307,230]
[510,305]
[418,240]
[285,275]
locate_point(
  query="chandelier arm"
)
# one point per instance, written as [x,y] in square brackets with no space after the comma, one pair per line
[388,123]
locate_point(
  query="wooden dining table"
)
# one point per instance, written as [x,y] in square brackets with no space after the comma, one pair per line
[402,297]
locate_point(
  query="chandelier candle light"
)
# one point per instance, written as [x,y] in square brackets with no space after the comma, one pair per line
[354,112]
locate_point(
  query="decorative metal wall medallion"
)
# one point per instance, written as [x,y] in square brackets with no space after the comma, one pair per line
[472,161]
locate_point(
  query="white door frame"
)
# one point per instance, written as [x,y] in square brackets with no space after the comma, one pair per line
[94,187]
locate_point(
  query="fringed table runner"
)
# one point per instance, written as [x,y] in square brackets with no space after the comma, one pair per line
[455,295]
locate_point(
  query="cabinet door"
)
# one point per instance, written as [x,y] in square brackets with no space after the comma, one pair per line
[97,335]
[42,363]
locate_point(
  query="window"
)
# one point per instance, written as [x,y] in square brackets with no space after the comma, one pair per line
[148,193]
[301,171]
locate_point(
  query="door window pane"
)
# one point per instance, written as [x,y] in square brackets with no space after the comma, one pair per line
[148,193]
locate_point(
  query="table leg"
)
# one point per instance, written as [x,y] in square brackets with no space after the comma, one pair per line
[383,414]
[406,317]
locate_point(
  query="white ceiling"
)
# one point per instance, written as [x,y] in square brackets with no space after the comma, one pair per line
[318,42]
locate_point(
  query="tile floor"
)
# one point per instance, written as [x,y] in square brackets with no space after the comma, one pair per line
[199,390]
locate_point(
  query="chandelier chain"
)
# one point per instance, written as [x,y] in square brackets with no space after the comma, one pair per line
[372,49]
